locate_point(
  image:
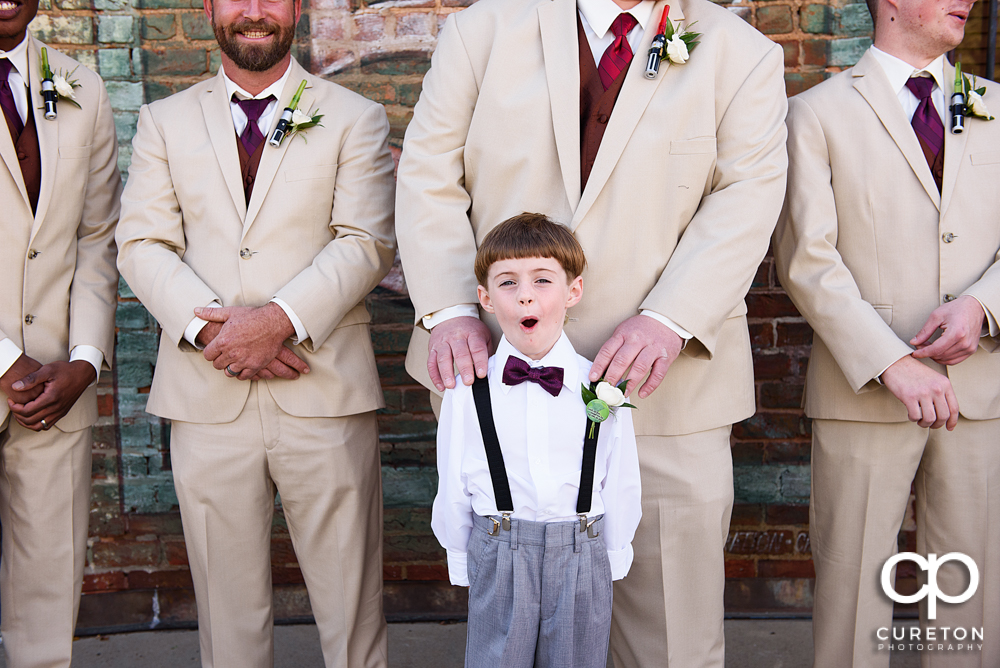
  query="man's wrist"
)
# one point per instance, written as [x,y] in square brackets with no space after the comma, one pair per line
[431,320]
[88,354]
[9,354]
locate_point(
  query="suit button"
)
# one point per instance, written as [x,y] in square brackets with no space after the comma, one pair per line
[948,237]
[246,253]
[28,319]
[950,298]
[32,254]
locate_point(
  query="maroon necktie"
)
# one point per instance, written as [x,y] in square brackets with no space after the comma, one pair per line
[926,121]
[517,371]
[14,122]
[617,56]
[252,136]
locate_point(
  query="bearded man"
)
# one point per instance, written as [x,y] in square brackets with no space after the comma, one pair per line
[275,389]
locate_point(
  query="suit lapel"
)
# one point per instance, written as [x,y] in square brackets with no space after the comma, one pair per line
[271,158]
[219,121]
[871,82]
[9,154]
[636,93]
[48,137]
[954,145]
[557,25]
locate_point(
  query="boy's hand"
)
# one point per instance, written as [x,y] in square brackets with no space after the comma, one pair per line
[463,341]
[642,343]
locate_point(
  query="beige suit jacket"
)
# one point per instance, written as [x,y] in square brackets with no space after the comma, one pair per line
[58,281]
[676,214]
[317,234]
[863,245]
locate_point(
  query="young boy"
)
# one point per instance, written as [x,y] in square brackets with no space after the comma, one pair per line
[513,455]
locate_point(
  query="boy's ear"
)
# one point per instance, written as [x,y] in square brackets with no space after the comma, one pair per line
[484,299]
[575,292]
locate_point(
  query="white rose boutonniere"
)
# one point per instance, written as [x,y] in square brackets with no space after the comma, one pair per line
[56,86]
[966,100]
[674,44]
[293,120]
[677,50]
[603,400]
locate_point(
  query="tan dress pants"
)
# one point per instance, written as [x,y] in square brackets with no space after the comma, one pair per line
[327,473]
[45,511]
[861,479]
[668,611]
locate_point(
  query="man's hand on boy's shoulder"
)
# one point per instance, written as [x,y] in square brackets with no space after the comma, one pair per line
[642,343]
[463,341]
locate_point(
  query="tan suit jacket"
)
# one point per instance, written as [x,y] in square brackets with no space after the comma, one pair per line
[317,234]
[57,267]
[665,218]
[863,245]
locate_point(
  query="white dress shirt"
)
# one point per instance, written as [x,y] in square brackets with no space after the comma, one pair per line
[541,437]
[240,124]
[17,80]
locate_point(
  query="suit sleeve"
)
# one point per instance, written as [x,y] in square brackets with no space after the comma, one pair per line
[93,295]
[361,253]
[812,270]
[151,238]
[718,253]
[437,245]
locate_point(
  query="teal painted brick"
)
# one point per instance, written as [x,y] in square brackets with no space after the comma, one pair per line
[214,61]
[854,20]
[197,26]
[134,434]
[125,95]
[134,465]
[125,122]
[846,52]
[816,19]
[133,345]
[133,315]
[124,160]
[173,61]
[757,484]
[114,29]
[124,290]
[131,404]
[63,29]
[150,496]
[158,26]
[795,484]
[170,4]
[72,4]
[115,64]
[408,487]
[111,5]
[135,374]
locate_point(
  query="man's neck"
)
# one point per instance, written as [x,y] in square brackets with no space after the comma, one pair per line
[904,47]
[254,82]
[11,43]
[627,4]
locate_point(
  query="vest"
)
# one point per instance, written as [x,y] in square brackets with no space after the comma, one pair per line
[248,166]
[29,156]
[596,105]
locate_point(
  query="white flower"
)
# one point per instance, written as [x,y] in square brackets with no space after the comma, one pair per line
[977,105]
[677,50]
[610,394]
[298,118]
[63,87]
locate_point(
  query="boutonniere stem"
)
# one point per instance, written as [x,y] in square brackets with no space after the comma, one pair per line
[286,118]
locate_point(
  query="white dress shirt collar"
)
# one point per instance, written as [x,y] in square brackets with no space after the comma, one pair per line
[899,71]
[600,14]
[274,89]
[18,57]
[562,355]
[18,78]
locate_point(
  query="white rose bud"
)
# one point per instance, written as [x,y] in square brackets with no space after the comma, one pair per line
[610,394]
[977,104]
[63,87]
[677,50]
[298,118]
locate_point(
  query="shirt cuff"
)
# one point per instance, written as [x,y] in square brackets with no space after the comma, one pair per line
[88,354]
[9,352]
[458,568]
[664,320]
[300,329]
[991,324]
[195,326]
[621,561]
[436,318]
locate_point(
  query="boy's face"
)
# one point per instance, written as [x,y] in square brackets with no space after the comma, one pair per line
[530,297]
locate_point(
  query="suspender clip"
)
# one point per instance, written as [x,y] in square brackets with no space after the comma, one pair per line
[588,526]
[505,520]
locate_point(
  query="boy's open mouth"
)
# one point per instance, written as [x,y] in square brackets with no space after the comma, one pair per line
[528,323]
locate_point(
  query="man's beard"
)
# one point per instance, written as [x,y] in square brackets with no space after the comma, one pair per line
[254,58]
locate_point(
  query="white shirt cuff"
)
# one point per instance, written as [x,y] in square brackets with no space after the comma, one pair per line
[991,323]
[458,568]
[436,318]
[88,354]
[196,325]
[300,330]
[621,561]
[664,320]
[9,352]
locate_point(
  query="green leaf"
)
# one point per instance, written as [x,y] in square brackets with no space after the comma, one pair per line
[668,29]
[628,406]
[587,394]
[621,385]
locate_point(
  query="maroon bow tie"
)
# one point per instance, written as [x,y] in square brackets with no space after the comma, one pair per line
[516,371]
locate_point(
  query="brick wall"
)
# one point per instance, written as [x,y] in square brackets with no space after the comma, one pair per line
[137,573]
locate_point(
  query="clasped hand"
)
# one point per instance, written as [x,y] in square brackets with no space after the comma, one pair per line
[249,342]
[38,394]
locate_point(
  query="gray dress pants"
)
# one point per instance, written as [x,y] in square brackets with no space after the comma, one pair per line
[539,596]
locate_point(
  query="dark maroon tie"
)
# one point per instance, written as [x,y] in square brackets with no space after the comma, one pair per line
[926,121]
[517,371]
[252,136]
[617,56]
[14,122]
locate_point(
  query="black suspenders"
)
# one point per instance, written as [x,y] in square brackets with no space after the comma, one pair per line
[498,472]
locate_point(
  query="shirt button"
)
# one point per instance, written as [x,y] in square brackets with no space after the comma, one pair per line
[22,156]
[948,237]
[28,319]
[32,254]
[602,119]
[246,253]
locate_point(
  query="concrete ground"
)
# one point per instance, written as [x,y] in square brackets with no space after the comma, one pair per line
[758,643]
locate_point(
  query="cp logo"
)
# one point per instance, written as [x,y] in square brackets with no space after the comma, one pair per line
[930,590]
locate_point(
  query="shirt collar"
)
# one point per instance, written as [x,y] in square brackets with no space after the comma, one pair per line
[899,71]
[18,57]
[600,14]
[274,89]
[563,355]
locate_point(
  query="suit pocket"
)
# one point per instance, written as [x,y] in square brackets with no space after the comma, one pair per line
[692,146]
[986,158]
[314,172]
[884,311]
[74,152]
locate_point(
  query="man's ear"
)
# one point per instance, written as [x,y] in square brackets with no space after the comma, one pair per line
[298,11]
[575,292]
[484,299]
[208,9]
